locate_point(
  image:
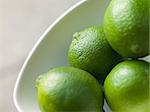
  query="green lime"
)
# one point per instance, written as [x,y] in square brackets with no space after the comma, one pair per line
[91,52]
[127,87]
[68,89]
[126,25]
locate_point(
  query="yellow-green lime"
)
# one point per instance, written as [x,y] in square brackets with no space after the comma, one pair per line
[68,89]
[126,25]
[90,51]
[127,87]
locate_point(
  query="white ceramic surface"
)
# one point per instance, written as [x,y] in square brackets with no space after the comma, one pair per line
[51,49]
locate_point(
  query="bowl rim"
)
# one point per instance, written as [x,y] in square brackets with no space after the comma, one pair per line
[41,38]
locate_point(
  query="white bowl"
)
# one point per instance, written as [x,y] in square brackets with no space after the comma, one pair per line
[51,49]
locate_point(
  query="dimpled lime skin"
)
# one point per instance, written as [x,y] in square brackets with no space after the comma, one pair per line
[68,89]
[126,25]
[127,87]
[90,51]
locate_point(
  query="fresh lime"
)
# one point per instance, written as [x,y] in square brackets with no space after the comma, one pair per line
[127,87]
[91,52]
[126,25]
[68,89]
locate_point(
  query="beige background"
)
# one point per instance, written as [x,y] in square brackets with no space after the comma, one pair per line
[21,24]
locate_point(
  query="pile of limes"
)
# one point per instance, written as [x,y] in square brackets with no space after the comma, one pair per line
[105,55]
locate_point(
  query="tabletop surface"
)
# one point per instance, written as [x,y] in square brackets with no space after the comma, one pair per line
[21,24]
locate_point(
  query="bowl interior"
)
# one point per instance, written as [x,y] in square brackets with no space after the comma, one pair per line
[52,49]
